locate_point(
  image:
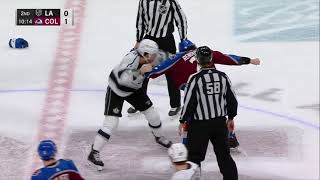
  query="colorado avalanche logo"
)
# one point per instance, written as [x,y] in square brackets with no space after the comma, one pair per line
[38,21]
[163,9]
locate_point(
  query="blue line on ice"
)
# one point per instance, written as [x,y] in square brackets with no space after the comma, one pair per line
[262,111]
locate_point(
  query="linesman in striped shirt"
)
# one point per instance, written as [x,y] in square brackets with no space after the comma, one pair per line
[155,21]
[209,99]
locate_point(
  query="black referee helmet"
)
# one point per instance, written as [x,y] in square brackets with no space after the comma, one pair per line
[204,55]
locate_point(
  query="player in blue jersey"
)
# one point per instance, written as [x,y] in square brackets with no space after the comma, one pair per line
[62,169]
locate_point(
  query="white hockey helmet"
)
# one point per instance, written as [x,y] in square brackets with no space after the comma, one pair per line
[178,152]
[148,46]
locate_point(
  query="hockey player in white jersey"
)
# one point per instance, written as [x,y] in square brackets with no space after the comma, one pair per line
[125,82]
[185,170]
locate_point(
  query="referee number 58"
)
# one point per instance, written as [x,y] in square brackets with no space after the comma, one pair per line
[213,88]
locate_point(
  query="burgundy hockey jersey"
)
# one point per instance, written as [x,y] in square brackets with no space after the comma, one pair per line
[182,65]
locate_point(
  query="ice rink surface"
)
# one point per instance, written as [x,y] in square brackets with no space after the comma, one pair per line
[278,118]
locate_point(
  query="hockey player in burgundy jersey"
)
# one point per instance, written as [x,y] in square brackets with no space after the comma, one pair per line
[183,64]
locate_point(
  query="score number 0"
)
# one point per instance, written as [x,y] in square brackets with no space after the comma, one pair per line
[67,17]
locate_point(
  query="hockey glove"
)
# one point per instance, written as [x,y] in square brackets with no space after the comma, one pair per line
[18,43]
[232,140]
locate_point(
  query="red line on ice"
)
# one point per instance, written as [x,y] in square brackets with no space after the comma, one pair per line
[54,114]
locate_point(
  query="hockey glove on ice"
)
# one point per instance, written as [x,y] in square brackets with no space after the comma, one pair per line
[18,43]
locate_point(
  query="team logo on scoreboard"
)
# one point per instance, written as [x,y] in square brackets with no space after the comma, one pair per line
[162,9]
[38,12]
[38,21]
[48,17]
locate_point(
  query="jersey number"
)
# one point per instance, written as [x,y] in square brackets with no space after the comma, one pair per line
[213,88]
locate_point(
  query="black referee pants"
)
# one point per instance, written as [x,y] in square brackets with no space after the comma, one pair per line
[167,44]
[199,134]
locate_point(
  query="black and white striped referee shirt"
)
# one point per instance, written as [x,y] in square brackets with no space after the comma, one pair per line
[155,18]
[209,95]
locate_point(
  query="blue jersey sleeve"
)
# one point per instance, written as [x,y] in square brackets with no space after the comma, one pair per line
[239,59]
[165,65]
[235,58]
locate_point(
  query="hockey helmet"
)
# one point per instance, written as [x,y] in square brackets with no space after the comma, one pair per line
[204,55]
[47,149]
[148,46]
[178,152]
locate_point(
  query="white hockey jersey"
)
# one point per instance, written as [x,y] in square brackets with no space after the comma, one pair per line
[193,173]
[125,78]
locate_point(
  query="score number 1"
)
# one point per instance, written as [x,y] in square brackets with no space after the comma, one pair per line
[67,17]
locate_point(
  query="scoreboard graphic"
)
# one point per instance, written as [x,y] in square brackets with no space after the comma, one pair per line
[44,17]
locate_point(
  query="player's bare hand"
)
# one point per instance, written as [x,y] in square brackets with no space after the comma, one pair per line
[230,125]
[145,68]
[255,61]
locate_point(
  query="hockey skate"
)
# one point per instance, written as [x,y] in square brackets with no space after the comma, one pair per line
[163,141]
[94,160]
[233,143]
[174,111]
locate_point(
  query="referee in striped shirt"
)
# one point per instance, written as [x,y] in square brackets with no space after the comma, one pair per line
[155,21]
[209,99]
